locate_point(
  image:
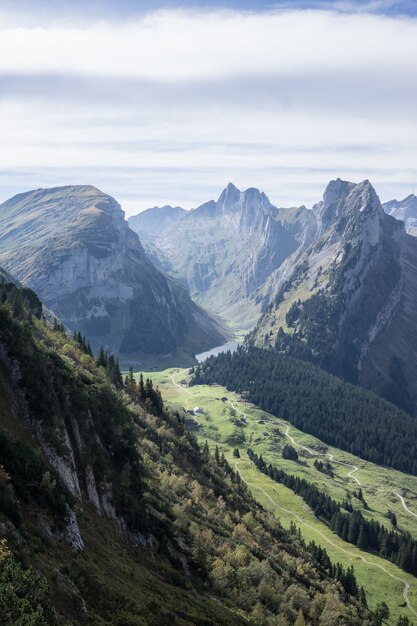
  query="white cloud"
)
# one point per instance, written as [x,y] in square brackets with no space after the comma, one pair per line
[178,45]
[171,107]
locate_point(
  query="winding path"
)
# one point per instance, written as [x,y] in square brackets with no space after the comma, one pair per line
[404,505]
[324,454]
[406,588]
[182,387]
[355,468]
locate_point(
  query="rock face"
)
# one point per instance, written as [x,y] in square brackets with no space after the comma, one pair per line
[347,299]
[405,210]
[72,245]
[225,252]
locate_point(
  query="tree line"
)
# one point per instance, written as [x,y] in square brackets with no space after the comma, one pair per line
[349,524]
[340,414]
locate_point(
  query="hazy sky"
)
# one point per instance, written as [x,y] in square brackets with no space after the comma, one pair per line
[167,102]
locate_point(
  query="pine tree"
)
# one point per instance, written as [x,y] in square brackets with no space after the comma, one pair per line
[102,358]
[217,455]
[362,541]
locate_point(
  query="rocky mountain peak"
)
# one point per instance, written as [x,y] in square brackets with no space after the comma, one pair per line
[73,246]
[229,198]
[343,199]
[336,190]
[232,200]
[402,209]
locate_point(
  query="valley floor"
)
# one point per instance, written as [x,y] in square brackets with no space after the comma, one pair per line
[227,415]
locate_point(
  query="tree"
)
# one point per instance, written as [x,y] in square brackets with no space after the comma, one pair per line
[404,621]
[217,455]
[362,542]
[381,612]
[300,621]
[102,358]
[288,452]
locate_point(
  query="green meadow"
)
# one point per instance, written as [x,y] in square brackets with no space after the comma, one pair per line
[229,421]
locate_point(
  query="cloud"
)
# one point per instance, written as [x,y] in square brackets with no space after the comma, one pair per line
[170,106]
[173,46]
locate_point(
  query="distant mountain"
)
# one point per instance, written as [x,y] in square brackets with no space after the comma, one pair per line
[157,221]
[72,245]
[405,210]
[347,300]
[152,224]
[227,251]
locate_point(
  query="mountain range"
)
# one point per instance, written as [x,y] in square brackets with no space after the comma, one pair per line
[337,284]
[226,251]
[72,245]
[405,210]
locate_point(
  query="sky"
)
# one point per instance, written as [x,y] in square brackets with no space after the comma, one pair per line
[166,102]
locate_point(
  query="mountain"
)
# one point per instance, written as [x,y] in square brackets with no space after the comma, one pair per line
[72,245]
[152,224]
[347,300]
[405,210]
[225,251]
[110,512]
[157,221]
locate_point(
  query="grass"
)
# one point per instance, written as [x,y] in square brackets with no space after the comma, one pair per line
[379,484]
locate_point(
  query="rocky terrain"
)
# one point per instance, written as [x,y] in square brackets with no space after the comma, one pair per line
[225,251]
[72,245]
[347,300]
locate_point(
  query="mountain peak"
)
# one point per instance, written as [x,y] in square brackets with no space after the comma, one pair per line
[229,197]
[232,200]
[336,190]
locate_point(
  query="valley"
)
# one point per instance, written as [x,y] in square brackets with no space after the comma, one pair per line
[208,313]
[383,489]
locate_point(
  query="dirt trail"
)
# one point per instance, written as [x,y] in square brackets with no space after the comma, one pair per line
[406,588]
[405,506]
[355,468]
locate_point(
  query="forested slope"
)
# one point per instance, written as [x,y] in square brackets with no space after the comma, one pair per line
[340,414]
[122,515]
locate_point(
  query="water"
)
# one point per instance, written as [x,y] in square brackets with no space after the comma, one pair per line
[230,345]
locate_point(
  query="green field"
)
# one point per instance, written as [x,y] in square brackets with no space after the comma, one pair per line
[225,423]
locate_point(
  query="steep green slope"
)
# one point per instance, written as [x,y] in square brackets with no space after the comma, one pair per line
[106,494]
[230,422]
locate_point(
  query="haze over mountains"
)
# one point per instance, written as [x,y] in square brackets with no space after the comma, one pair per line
[346,269]
[73,246]
[225,251]
[405,210]
[335,284]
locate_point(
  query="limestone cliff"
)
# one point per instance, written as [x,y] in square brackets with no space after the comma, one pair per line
[72,245]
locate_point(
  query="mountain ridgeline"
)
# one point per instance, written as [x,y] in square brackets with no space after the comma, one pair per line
[335,285]
[111,513]
[226,251]
[347,301]
[404,210]
[73,247]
